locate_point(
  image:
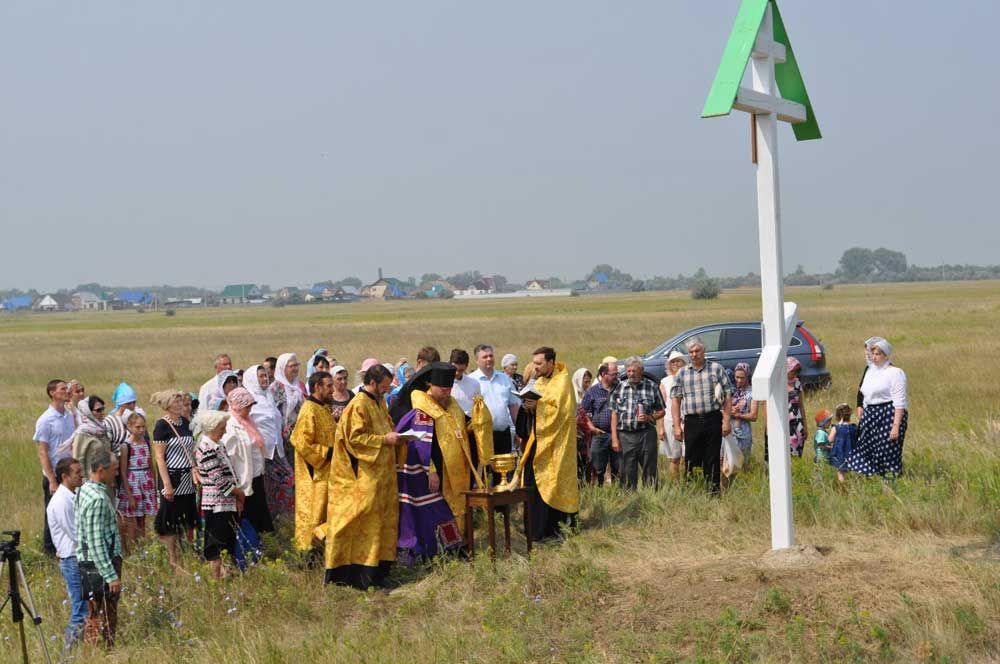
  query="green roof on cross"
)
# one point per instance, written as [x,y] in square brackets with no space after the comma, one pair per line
[735,57]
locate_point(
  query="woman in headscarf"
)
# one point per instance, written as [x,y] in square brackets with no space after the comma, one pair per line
[288,393]
[246,448]
[509,366]
[226,382]
[311,366]
[868,362]
[796,408]
[882,429]
[91,436]
[582,380]
[124,398]
[173,446]
[744,409]
[279,478]
[404,372]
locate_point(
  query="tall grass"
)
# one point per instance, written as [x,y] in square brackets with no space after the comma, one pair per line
[908,571]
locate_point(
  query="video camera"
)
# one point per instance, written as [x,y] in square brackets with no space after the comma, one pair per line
[10,541]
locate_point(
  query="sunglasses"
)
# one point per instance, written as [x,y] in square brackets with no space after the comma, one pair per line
[99,410]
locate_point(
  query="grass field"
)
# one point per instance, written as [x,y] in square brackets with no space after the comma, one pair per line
[910,571]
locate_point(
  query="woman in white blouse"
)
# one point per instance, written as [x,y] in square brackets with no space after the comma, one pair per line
[879,449]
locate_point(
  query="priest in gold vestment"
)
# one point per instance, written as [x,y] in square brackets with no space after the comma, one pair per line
[363,510]
[312,439]
[548,425]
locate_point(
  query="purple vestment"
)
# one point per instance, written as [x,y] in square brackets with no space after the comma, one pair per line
[426,524]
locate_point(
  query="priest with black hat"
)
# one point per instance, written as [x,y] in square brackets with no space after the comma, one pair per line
[443,449]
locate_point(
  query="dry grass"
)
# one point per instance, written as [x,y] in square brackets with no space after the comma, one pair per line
[909,571]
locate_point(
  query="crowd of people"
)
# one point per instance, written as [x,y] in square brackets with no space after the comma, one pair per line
[375,475]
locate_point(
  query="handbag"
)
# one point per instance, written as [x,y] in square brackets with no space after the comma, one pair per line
[91,582]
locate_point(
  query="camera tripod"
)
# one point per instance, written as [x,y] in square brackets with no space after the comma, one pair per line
[10,556]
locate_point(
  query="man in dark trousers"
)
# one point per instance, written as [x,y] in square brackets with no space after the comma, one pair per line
[703,394]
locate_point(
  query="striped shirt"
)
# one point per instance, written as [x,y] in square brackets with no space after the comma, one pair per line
[98,540]
[217,479]
[697,388]
[117,433]
[179,452]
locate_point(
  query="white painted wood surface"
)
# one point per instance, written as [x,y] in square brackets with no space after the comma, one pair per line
[776,334]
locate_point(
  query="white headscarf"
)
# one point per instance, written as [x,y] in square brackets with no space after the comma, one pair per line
[578,381]
[264,413]
[293,393]
[879,342]
[206,420]
[219,395]
[507,360]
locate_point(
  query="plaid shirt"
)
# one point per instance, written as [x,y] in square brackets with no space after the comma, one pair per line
[97,535]
[626,398]
[595,404]
[696,388]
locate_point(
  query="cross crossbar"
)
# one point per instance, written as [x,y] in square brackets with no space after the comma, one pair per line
[753,101]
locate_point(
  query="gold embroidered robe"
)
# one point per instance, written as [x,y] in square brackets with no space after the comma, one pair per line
[555,442]
[312,439]
[453,440]
[363,507]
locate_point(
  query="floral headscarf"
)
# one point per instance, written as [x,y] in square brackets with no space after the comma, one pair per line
[741,394]
[238,400]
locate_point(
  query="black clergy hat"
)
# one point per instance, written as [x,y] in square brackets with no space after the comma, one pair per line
[441,374]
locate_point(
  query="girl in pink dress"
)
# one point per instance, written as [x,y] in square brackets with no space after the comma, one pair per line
[136,491]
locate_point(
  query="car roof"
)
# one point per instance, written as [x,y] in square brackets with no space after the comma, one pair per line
[658,349]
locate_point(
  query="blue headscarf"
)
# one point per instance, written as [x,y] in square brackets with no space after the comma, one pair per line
[124,394]
[310,369]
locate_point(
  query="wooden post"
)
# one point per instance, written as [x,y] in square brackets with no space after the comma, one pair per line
[772,295]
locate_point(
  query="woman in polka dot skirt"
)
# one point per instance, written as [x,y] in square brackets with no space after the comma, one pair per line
[879,447]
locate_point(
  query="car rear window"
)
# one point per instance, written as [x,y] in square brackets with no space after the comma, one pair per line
[710,338]
[741,338]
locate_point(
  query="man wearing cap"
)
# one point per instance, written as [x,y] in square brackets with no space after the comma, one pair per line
[549,461]
[439,462]
[312,439]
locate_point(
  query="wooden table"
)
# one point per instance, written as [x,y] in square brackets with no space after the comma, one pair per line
[490,499]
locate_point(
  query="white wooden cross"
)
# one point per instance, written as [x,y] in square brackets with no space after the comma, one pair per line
[759,36]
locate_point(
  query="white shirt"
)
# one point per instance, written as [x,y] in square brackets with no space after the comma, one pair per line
[206,391]
[269,422]
[498,393]
[62,522]
[464,389]
[246,460]
[56,429]
[883,384]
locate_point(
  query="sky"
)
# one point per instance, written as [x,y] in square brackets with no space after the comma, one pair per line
[205,143]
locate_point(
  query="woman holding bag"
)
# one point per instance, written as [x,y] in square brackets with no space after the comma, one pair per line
[174,446]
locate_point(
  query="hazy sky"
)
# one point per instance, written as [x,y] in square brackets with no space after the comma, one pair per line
[284,143]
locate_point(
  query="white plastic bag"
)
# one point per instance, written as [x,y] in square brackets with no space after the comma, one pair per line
[732,455]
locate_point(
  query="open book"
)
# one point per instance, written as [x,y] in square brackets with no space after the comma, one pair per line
[411,434]
[529,391]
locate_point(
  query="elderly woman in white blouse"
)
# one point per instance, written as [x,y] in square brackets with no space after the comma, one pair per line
[879,448]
